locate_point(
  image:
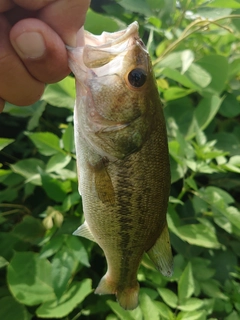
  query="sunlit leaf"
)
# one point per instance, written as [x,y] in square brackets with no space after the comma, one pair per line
[97,23]
[149,309]
[74,296]
[61,94]
[29,278]
[68,138]
[225,4]
[57,162]
[46,142]
[5,142]
[169,297]
[187,58]
[55,189]
[29,168]
[186,284]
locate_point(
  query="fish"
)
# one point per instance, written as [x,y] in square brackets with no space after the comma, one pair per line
[122,158]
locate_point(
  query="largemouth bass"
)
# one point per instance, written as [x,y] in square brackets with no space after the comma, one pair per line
[122,158]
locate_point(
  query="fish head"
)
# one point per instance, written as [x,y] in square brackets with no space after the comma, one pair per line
[116,91]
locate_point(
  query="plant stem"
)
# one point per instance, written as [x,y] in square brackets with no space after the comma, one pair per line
[186,32]
[18,207]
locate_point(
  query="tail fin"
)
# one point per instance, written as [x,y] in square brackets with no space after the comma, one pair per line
[127,297]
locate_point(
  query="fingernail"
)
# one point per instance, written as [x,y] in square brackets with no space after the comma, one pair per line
[30,45]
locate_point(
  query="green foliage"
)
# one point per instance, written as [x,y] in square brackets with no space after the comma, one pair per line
[44,271]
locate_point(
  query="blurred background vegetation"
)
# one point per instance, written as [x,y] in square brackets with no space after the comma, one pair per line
[45,272]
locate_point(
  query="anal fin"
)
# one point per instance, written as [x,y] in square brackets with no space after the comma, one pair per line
[84,231]
[161,254]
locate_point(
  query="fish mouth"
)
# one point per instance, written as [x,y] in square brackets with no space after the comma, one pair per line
[109,40]
[102,49]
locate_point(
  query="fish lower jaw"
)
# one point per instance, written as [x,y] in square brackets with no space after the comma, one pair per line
[127,296]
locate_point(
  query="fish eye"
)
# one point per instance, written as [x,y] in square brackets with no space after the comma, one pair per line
[137,77]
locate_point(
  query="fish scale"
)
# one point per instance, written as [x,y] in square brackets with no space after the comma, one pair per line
[122,160]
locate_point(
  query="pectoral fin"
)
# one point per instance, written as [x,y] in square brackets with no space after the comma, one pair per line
[84,231]
[161,254]
[103,182]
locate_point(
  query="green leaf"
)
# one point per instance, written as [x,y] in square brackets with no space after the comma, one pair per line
[235,160]
[76,247]
[211,288]
[29,229]
[29,278]
[177,76]
[199,235]
[201,269]
[68,86]
[68,138]
[54,188]
[34,120]
[63,267]
[3,262]
[233,215]
[228,142]
[169,297]
[173,60]
[191,304]
[230,106]
[142,6]
[71,200]
[69,301]
[213,13]
[187,59]
[10,309]
[164,310]
[225,4]
[29,168]
[4,174]
[61,94]
[7,244]
[213,195]
[97,23]
[57,161]
[186,284]
[198,75]
[23,112]
[51,247]
[175,93]
[212,64]
[203,114]
[233,316]
[149,309]
[47,143]
[119,311]
[193,315]
[5,142]
[177,170]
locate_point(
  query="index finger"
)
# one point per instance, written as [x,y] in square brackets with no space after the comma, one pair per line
[65,17]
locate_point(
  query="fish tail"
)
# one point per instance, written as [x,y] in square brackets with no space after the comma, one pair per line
[127,297]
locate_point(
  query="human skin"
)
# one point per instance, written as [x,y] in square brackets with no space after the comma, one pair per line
[33,35]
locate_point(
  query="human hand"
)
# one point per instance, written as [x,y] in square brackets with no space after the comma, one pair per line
[33,35]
